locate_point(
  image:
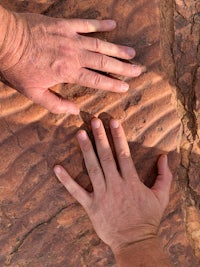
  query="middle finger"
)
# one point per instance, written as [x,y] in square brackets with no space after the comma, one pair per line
[122,150]
[104,63]
[103,148]
[109,49]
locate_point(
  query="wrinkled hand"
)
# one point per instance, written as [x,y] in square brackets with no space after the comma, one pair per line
[48,51]
[122,209]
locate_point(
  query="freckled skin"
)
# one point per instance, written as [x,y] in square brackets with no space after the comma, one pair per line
[40,52]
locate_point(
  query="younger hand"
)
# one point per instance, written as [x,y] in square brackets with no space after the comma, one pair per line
[44,51]
[122,209]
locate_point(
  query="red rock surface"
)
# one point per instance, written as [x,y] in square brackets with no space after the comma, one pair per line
[40,223]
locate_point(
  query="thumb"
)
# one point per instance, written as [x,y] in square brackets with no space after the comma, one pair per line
[163,181]
[52,102]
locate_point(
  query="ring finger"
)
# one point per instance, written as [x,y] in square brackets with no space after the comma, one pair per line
[104,151]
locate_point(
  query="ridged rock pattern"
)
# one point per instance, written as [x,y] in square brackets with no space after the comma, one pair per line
[40,223]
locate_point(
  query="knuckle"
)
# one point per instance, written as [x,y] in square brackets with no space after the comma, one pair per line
[86,146]
[57,26]
[55,109]
[103,62]
[97,44]
[87,24]
[82,78]
[106,157]
[99,135]
[82,59]
[124,154]
[61,24]
[117,133]
[97,80]
[58,69]
[94,171]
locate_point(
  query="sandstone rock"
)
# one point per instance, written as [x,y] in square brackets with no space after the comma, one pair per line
[40,223]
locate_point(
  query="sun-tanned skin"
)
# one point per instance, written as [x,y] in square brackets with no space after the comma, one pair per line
[37,52]
[124,212]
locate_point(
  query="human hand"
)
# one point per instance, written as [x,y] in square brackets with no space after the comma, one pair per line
[41,51]
[121,208]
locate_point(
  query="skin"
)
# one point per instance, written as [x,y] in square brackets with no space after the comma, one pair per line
[38,52]
[124,212]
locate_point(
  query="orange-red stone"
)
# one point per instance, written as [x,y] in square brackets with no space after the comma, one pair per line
[40,223]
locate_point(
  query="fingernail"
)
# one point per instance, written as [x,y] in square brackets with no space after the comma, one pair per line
[165,157]
[137,70]
[95,123]
[57,170]
[82,135]
[114,124]
[124,87]
[131,51]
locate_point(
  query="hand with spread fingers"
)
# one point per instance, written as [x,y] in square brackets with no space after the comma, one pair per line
[38,52]
[124,212]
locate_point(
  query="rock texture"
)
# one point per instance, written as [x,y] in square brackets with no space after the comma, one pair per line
[181,61]
[40,223]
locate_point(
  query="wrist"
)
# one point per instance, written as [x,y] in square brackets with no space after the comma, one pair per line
[147,252]
[125,237]
[12,39]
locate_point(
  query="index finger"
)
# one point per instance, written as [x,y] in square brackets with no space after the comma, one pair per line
[92,25]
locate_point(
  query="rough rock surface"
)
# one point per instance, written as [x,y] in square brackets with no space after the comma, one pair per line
[40,223]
